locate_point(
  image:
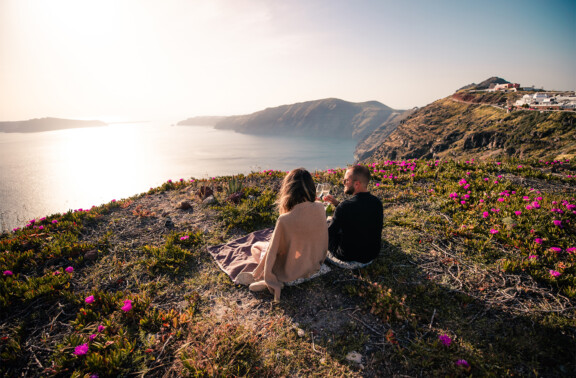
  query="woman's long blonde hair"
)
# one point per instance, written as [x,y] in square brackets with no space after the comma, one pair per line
[297,187]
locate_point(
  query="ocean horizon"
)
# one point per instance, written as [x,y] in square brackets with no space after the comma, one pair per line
[56,171]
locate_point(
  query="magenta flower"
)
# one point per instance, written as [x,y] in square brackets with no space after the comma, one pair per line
[8,273]
[518,212]
[556,249]
[127,305]
[463,202]
[463,363]
[54,221]
[526,198]
[81,349]
[101,328]
[481,201]
[56,273]
[571,250]
[538,241]
[554,273]
[89,299]
[445,339]
[185,237]
[557,223]
[485,214]
[41,227]
[92,337]
[69,269]
[501,199]
[493,231]
[533,257]
[528,207]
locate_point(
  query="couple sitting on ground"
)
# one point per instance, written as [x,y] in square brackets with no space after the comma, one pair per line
[302,240]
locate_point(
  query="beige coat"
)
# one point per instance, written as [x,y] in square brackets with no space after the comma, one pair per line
[297,248]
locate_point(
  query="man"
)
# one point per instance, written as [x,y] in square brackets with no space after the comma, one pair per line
[355,234]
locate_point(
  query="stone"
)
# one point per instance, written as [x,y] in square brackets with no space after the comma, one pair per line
[354,357]
[209,200]
[185,205]
[91,255]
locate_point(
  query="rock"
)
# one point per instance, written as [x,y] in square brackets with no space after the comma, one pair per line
[204,192]
[185,205]
[91,255]
[209,200]
[354,357]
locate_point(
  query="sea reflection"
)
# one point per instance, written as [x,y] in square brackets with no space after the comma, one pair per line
[53,172]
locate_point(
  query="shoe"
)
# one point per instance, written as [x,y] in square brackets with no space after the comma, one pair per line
[258,286]
[244,278]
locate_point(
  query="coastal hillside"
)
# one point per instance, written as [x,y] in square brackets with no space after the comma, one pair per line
[478,125]
[321,118]
[476,277]
[46,124]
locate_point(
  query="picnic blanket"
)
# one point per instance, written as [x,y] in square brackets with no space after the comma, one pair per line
[235,256]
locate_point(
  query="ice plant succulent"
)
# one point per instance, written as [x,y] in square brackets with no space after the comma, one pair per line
[445,339]
[81,349]
[127,305]
[89,299]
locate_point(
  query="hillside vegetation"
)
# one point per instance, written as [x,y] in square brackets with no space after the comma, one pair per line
[470,125]
[476,277]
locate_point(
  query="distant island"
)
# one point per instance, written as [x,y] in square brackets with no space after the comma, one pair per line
[46,124]
[329,117]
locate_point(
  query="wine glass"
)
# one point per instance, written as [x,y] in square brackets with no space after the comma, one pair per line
[325,190]
[319,191]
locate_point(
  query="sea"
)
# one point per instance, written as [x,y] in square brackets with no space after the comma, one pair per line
[52,172]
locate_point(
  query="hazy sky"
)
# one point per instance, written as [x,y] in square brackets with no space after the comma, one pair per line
[172,59]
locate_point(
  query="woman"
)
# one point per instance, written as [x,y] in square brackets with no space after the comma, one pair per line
[299,243]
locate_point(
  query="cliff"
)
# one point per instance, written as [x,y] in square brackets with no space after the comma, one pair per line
[46,124]
[466,126]
[328,117]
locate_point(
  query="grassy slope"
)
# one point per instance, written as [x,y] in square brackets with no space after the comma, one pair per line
[441,272]
[440,130]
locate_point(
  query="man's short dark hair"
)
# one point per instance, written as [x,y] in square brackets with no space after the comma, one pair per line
[361,173]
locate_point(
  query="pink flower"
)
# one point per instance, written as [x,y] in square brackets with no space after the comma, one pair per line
[556,249]
[533,257]
[528,207]
[81,349]
[463,363]
[485,214]
[127,305]
[525,198]
[445,339]
[92,337]
[185,237]
[481,201]
[56,273]
[494,231]
[554,273]
[571,250]
[101,328]
[501,199]
[89,299]
[8,273]
[518,212]
[463,202]
[538,240]
[557,223]
[69,269]
[54,221]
